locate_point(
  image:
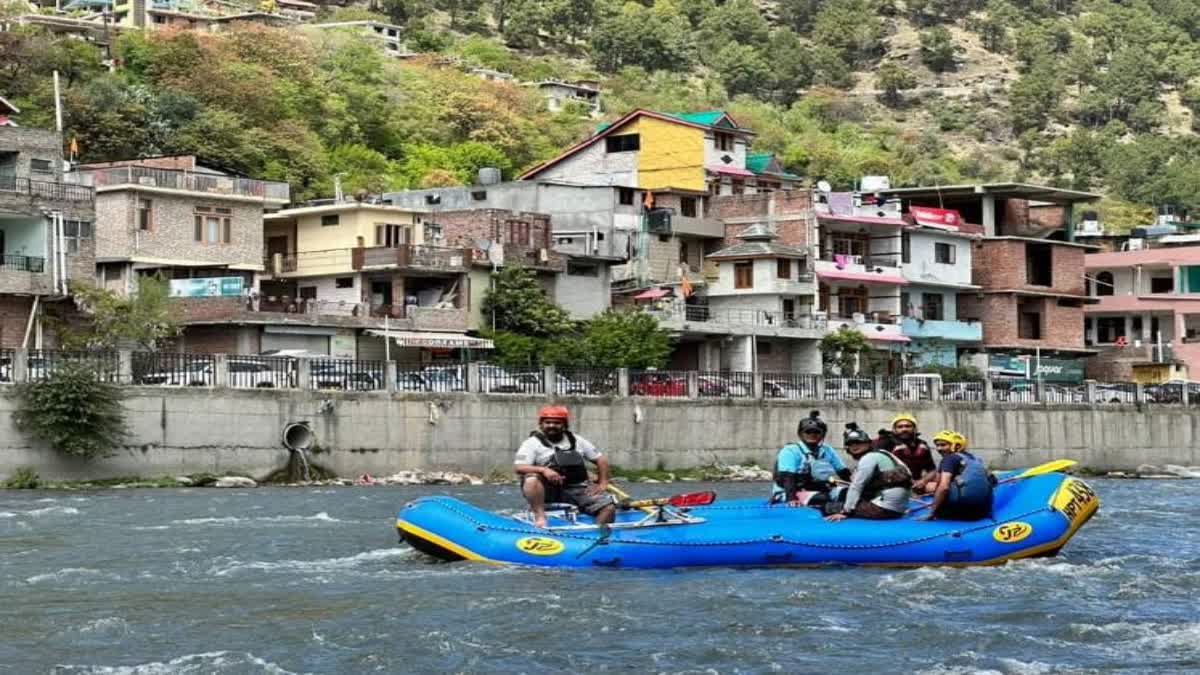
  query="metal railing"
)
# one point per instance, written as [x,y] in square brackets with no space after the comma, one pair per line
[585,382]
[745,317]
[262,372]
[173,179]
[347,375]
[6,364]
[48,190]
[848,388]
[659,383]
[790,386]
[725,384]
[410,255]
[170,369]
[496,380]
[42,364]
[23,263]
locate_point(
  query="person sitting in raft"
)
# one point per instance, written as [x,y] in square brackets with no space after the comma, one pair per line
[905,442]
[880,487]
[962,487]
[807,466]
[551,468]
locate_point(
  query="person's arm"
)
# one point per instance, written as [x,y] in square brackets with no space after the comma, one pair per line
[787,472]
[858,483]
[939,495]
[838,465]
[524,465]
[603,472]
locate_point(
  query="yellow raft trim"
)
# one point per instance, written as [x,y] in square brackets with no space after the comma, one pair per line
[432,538]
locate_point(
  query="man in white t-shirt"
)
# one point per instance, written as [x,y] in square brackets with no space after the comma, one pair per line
[551,467]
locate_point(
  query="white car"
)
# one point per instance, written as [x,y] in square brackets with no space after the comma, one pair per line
[785,389]
[1106,393]
[248,373]
[194,374]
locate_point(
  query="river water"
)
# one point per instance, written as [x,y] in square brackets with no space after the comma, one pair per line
[313,580]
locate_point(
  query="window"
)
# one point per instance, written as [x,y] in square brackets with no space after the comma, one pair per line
[479,195]
[433,232]
[783,268]
[943,253]
[1162,284]
[518,233]
[344,282]
[687,207]
[308,292]
[1135,326]
[145,215]
[581,270]
[433,199]
[848,244]
[1104,283]
[391,236]
[905,248]
[1029,319]
[852,301]
[764,348]
[1109,328]
[112,273]
[723,142]
[330,219]
[906,307]
[213,225]
[41,166]
[622,143]
[743,275]
[1039,260]
[933,307]
[625,196]
[75,231]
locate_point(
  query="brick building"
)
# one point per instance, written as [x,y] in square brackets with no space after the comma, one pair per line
[46,228]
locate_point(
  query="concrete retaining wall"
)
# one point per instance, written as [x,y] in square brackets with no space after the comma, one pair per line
[178,431]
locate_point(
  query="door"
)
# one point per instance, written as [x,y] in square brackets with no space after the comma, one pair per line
[277,245]
[381,293]
[789,309]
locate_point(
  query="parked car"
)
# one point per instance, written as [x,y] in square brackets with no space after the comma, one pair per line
[917,387]
[347,375]
[791,391]
[843,388]
[1172,392]
[191,374]
[658,384]
[248,373]
[1107,393]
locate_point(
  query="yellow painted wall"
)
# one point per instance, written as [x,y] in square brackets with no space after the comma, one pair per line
[671,155]
[1158,373]
[325,249]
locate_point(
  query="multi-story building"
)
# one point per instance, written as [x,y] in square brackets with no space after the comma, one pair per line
[189,14]
[388,37]
[936,260]
[173,217]
[46,229]
[757,314]
[559,95]
[1147,312]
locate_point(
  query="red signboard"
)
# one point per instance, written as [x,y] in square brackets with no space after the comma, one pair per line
[927,215]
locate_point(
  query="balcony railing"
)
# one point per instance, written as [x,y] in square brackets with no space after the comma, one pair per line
[543,258]
[22,263]
[184,180]
[409,255]
[876,260]
[743,317]
[48,190]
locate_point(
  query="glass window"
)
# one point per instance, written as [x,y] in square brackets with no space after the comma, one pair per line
[145,214]
[905,248]
[783,268]
[622,143]
[687,207]
[344,282]
[943,253]
[330,219]
[1104,283]
[625,196]
[933,306]
[743,275]
[41,166]
[1162,285]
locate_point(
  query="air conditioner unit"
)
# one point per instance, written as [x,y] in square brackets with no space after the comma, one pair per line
[1135,244]
[147,180]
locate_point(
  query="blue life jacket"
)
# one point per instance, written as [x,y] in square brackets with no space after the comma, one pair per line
[817,466]
[972,487]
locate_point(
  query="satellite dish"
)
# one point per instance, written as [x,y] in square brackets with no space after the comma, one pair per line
[823,186]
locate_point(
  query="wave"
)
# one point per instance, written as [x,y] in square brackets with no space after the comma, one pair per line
[233,520]
[190,664]
[314,566]
[51,511]
[107,625]
[73,573]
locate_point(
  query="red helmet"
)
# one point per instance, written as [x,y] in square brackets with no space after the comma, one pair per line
[554,412]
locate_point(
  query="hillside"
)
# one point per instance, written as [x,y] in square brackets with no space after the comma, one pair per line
[1090,94]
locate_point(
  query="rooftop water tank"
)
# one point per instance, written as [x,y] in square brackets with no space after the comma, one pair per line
[489,175]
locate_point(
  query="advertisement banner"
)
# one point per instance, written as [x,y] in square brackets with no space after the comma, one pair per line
[213,287]
[1029,367]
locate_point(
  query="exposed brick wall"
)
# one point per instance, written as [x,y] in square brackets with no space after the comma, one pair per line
[1062,327]
[790,210]
[1000,264]
[14,315]
[172,234]
[208,340]
[33,143]
[463,228]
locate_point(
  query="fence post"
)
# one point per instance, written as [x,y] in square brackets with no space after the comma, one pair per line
[1039,390]
[1089,391]
[473,382]
[390,376]
[693,384]
[878,385]
[1139,393]
[819,381]
[988,389]
[125,366]
[623,382]
[550,380]
[20,366]
[756,385]
[221,371]
[304,373]
[1183,395]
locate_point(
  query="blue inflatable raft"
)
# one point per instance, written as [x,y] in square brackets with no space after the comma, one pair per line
[1034,516]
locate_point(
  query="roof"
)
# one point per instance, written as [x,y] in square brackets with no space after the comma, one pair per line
[1036,240]
[1004,190]
[1173,257]
[861,220]
[863,277]
[1164,302]
[729,171]
[701,120]
[764,163]
[757,249]
[286,214]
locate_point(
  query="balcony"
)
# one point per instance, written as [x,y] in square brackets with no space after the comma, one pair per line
[878,269]
[537,258]
[802,285]
[879,327]
[295,311]
[413,257]
[183,181]
[24,274]
[701,319]
[22,263]
[961,331]
[46,190]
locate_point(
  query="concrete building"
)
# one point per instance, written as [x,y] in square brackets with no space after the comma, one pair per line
[46,234]
[936,259]
[1146,315]
[757,315]
[388,37]
[559,95]
[188,14]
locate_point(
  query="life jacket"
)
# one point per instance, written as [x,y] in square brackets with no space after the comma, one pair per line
[817,468]
[568,462]
[972,487]
[898,475]
[916,456]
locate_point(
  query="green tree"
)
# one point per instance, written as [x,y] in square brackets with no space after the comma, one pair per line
[892,78]
[852,27]
[1034,97]
[738,22]
[653,38]
[517,303]
[843,351]
[625,340]
[790,65]
[742,69]
[73,411]
[145,318]
[799,14]
[939,52]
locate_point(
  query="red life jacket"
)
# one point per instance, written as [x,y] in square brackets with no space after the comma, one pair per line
[916,456]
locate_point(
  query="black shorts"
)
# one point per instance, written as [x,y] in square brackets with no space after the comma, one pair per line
[578,495]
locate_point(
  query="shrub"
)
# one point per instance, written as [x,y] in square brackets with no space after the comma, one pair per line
[73,411]
[24,479]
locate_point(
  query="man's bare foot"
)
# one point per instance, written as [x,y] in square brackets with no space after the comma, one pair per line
[539,520]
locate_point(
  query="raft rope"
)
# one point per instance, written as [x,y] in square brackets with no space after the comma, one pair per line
[774,539]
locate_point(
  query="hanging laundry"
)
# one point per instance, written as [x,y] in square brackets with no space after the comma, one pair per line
[841,203]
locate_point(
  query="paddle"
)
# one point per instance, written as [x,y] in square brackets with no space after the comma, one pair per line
[624,497]
[685,500]
[1039,470]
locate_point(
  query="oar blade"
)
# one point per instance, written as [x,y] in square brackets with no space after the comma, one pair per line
[693,499]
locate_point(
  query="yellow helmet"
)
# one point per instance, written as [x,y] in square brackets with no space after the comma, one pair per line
[904,417]
[955,440]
